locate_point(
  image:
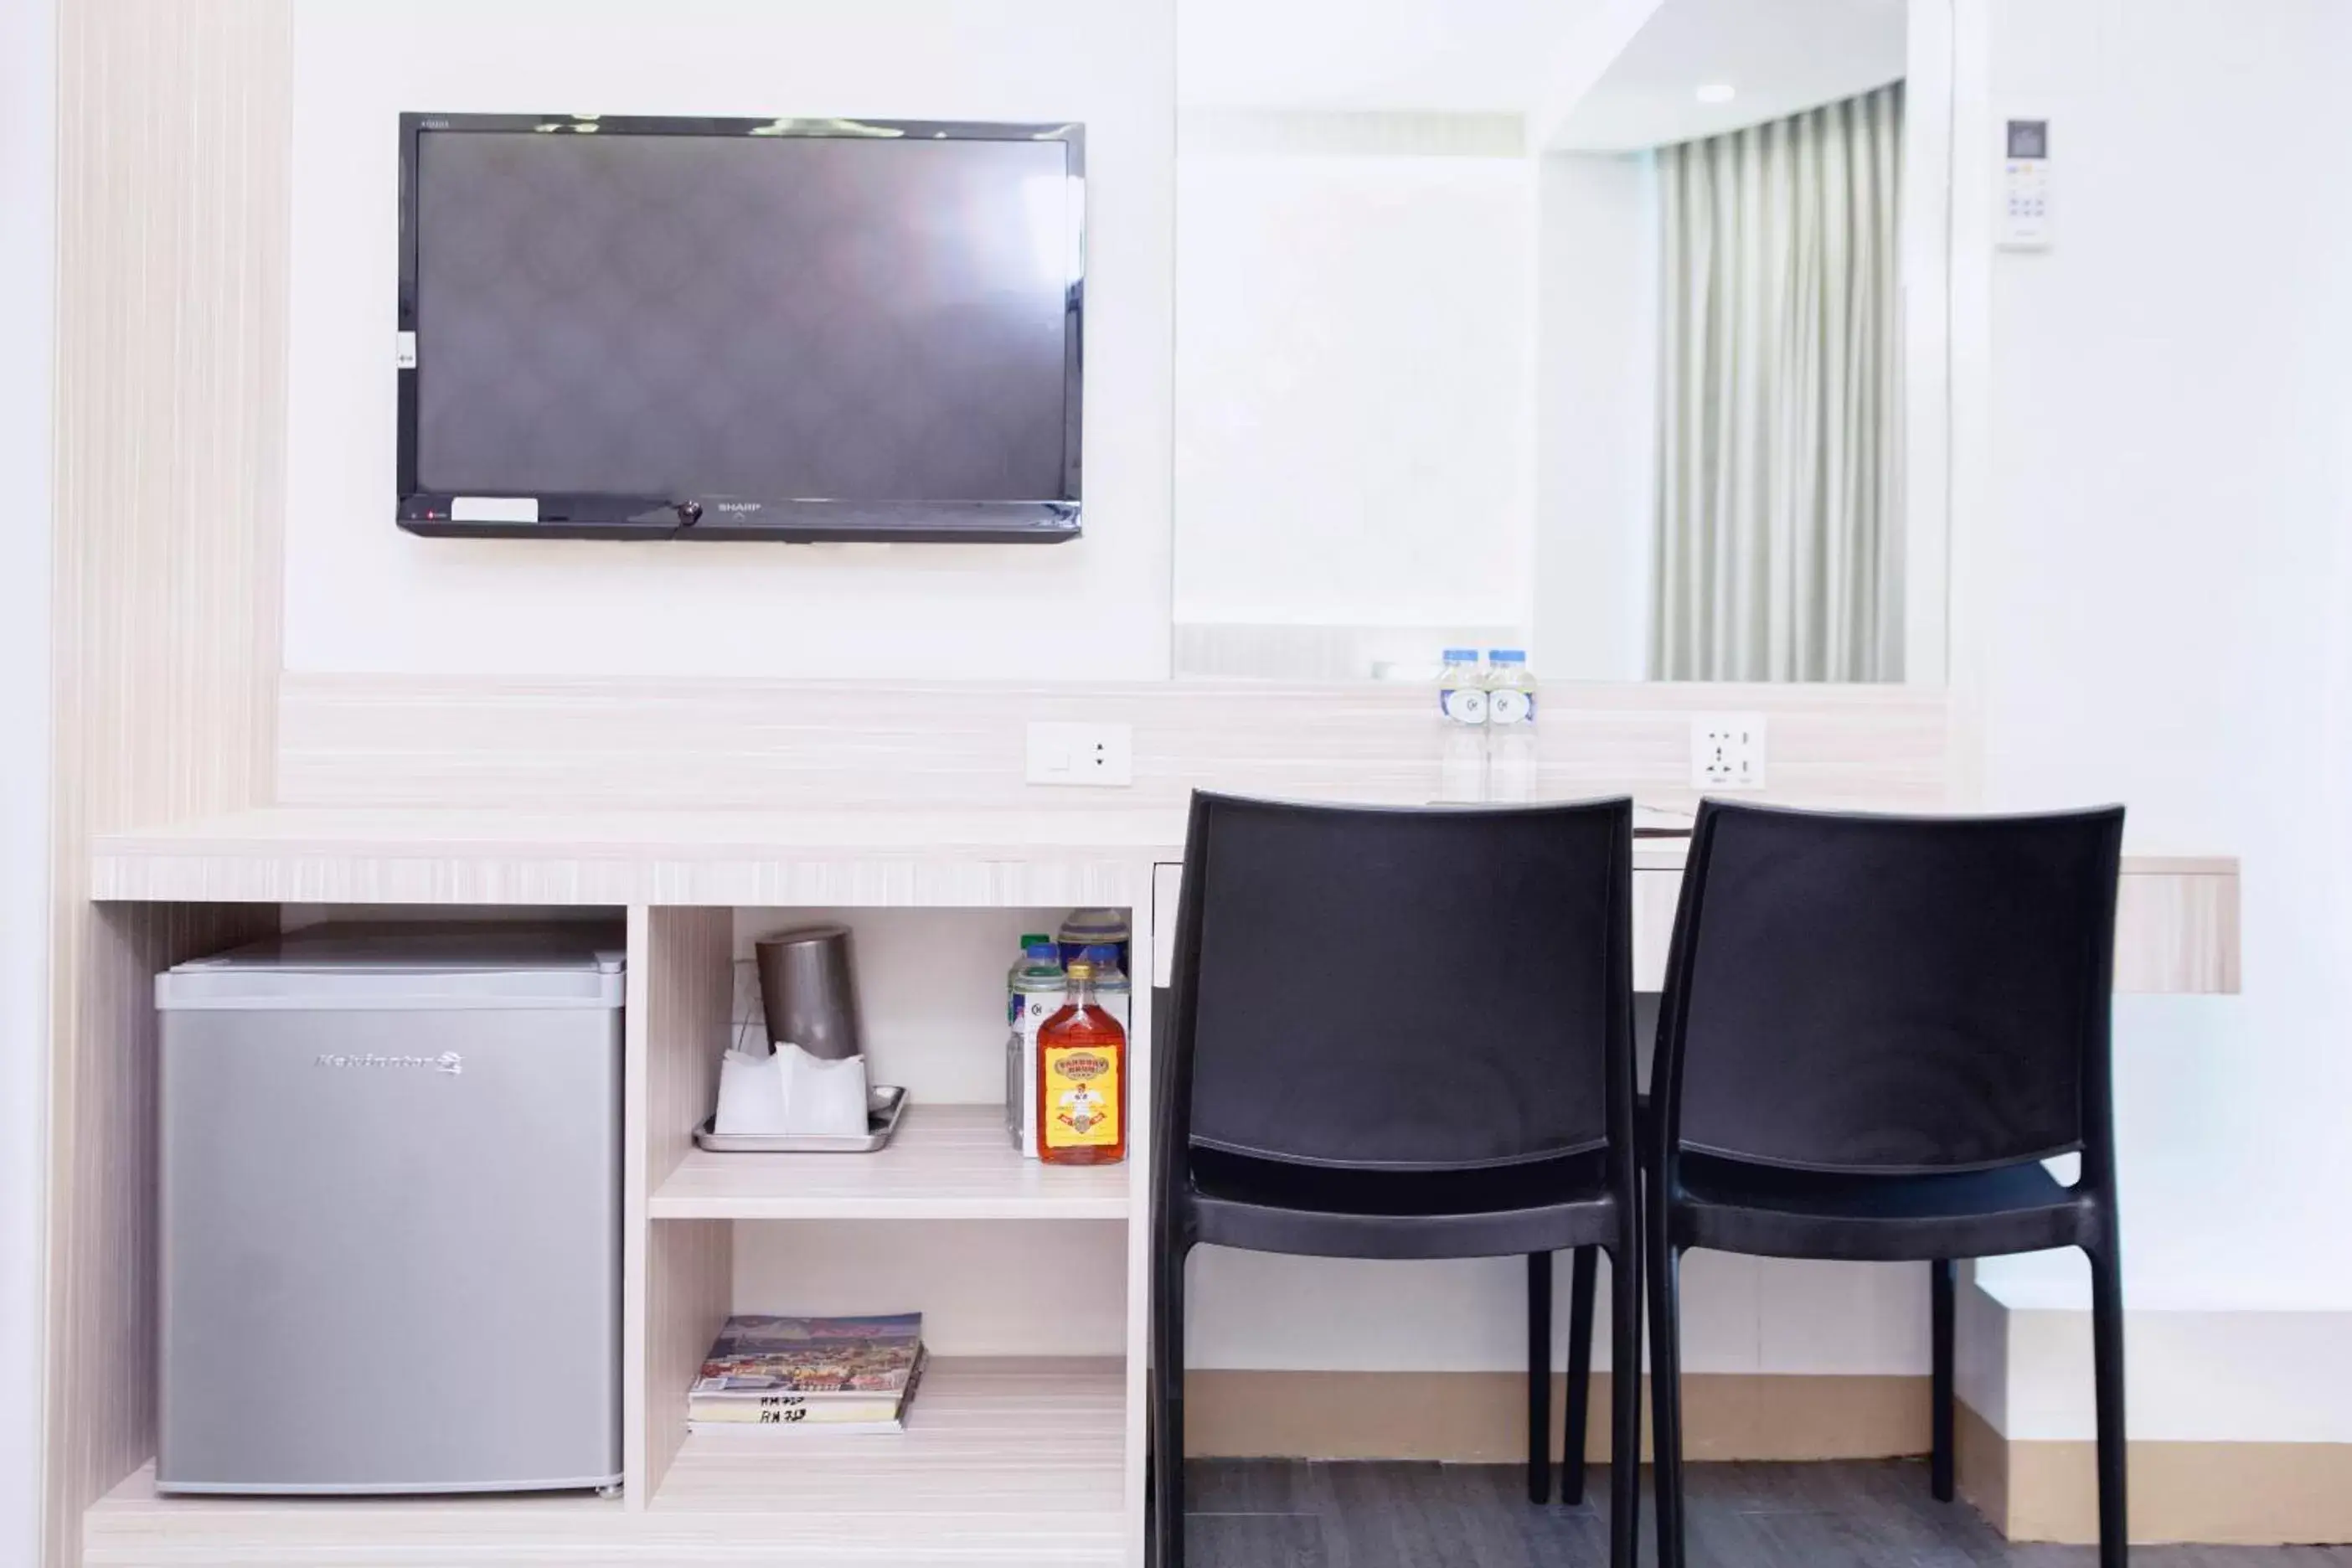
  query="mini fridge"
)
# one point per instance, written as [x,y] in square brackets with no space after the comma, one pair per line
[391,1212]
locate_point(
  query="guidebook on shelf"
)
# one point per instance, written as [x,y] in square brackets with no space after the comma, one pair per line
[842,1374]
[732,1414]
[813,1356]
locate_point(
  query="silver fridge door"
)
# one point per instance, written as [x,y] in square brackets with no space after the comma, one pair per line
[390,1248]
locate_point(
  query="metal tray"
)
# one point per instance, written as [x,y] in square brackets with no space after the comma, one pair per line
[885,1103]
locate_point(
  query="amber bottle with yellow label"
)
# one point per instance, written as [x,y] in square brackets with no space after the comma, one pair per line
[1082,1076]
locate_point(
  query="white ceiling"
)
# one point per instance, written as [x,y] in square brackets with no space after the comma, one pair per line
[1782,56]
[1464,57]
[1489,56]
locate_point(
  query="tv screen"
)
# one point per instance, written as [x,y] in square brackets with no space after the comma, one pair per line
[739,329]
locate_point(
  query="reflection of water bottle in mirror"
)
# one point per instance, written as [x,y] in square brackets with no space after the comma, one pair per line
[1461,713]
[1510,726]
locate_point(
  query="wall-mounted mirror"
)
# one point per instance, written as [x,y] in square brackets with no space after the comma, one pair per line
[1578,326]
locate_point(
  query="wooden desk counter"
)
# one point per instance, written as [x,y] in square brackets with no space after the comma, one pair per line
[2176,914]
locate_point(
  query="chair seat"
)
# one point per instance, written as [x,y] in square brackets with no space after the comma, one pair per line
[1272,1205]
[1738,1206]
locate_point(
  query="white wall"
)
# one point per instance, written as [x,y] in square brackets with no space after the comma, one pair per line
[2150,602]
[360,596]
[1354,351]
[28,214]
[1596,413]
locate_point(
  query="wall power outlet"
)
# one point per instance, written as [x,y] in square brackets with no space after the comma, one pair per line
[1728,751]
[1101,755]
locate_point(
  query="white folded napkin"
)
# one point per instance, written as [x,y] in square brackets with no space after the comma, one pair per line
[822,1099]
[750,1096]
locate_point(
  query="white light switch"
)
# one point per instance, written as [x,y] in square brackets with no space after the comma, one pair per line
[1728,751]
[1102,755]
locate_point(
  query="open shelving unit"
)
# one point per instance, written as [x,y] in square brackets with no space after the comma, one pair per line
[1035,1454]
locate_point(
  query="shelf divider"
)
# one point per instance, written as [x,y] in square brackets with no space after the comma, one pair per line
[947,1161]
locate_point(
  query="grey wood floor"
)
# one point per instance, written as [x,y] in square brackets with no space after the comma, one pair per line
[1286,1513]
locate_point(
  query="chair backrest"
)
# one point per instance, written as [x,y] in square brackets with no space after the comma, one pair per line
[1887,994]
[1390,988]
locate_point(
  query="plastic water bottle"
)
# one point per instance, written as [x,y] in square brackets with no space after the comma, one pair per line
[1511,763]
[1034,994]
[1461,712]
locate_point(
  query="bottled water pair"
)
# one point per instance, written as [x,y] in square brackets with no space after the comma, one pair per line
[1489,711]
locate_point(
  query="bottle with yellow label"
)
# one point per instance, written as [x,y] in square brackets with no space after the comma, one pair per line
[1082,1075]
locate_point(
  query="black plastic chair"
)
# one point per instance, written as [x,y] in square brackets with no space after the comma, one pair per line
[1402,1032]
[1873,1030]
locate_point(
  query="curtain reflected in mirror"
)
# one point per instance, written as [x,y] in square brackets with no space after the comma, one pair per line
[1495,327]
[1778,551]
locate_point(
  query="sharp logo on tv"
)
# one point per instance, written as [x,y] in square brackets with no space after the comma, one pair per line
[739,506]
[448,1062]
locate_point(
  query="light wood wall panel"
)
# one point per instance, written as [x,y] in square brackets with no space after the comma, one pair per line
[173,191]
[679,1273]
[2177,930]
[101,1339]
[556,743]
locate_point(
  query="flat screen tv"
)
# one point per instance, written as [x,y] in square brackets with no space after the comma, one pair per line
[739,329]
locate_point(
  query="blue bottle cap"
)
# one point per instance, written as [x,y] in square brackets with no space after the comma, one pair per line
[1506,655]
[1460,656]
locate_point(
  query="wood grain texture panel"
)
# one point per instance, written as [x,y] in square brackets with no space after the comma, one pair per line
[555,743]
[1037,1439]
[170,338]
[1005,859]
[101,1329]
[690,1274]
[946,1162]
[637,1232]
[2176,931]
[2177,927]
[1145,930]
[688,988]
[1006,1462]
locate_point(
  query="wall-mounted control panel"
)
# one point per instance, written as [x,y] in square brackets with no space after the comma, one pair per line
[2025,186]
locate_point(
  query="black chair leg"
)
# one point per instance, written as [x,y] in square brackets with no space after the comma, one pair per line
[1624,1392]
[1580,1286]
[1666,1392]
[1167,1455]
[2107,1369]
[1538,1376]
[1939,1452]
